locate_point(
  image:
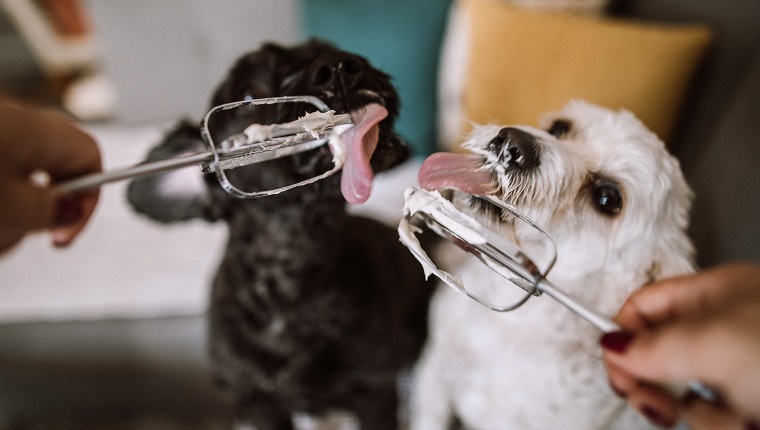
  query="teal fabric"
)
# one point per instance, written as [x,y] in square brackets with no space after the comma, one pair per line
[400,37]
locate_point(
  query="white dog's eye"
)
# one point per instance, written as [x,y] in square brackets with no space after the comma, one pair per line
[606,197]
[559,127]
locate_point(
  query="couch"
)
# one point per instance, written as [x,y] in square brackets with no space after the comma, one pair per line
[717,138]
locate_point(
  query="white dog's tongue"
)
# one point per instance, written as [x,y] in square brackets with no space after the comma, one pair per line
[459,171]
[361,141]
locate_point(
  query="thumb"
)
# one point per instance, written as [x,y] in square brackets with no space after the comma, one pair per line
[26,206]
[30,207]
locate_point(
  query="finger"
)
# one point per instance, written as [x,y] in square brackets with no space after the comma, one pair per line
[85,204]
[621,382]
[700,415]
[656,404]
[8,240]
[664,301]
[735,280]
[25,207]
[678,353]
[683,296]
[47,140]
[30,208]
[659,407]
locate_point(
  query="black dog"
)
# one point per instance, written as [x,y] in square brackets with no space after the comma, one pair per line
[312,310]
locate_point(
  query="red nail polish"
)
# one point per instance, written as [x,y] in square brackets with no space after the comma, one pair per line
[656,418]
[68,210]
[616,341]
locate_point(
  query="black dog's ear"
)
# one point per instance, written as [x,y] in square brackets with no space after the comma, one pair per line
[255,75]
[179,195]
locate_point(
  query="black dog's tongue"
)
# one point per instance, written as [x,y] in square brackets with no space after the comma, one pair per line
[444,170]
[361,141]
[439,171]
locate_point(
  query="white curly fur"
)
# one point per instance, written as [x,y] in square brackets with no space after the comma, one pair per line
[539,367]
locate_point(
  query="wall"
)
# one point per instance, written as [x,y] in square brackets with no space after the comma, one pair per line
[166,57]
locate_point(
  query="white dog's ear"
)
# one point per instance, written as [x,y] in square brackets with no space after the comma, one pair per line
[675,252]
[179,195]
[673,262]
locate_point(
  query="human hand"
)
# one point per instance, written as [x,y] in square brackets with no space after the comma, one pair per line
[34,141]
[703,327]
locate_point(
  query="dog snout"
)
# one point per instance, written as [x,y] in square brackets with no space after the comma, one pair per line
[515,148]
[336,71]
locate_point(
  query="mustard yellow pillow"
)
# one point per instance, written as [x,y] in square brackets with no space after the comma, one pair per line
[524,63]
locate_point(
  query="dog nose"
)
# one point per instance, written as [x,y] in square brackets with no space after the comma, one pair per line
[516,148]
[341,71]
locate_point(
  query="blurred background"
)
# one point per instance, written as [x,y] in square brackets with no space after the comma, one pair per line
[140,61]
[143,62]
[111,333]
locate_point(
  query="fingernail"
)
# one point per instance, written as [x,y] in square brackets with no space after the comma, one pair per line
[60,243]
[616,341]
[68,210]
[751,424]
[656,417]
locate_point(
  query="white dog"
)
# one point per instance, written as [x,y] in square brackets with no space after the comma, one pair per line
[616,204]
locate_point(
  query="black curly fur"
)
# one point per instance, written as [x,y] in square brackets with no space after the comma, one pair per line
[311,309]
